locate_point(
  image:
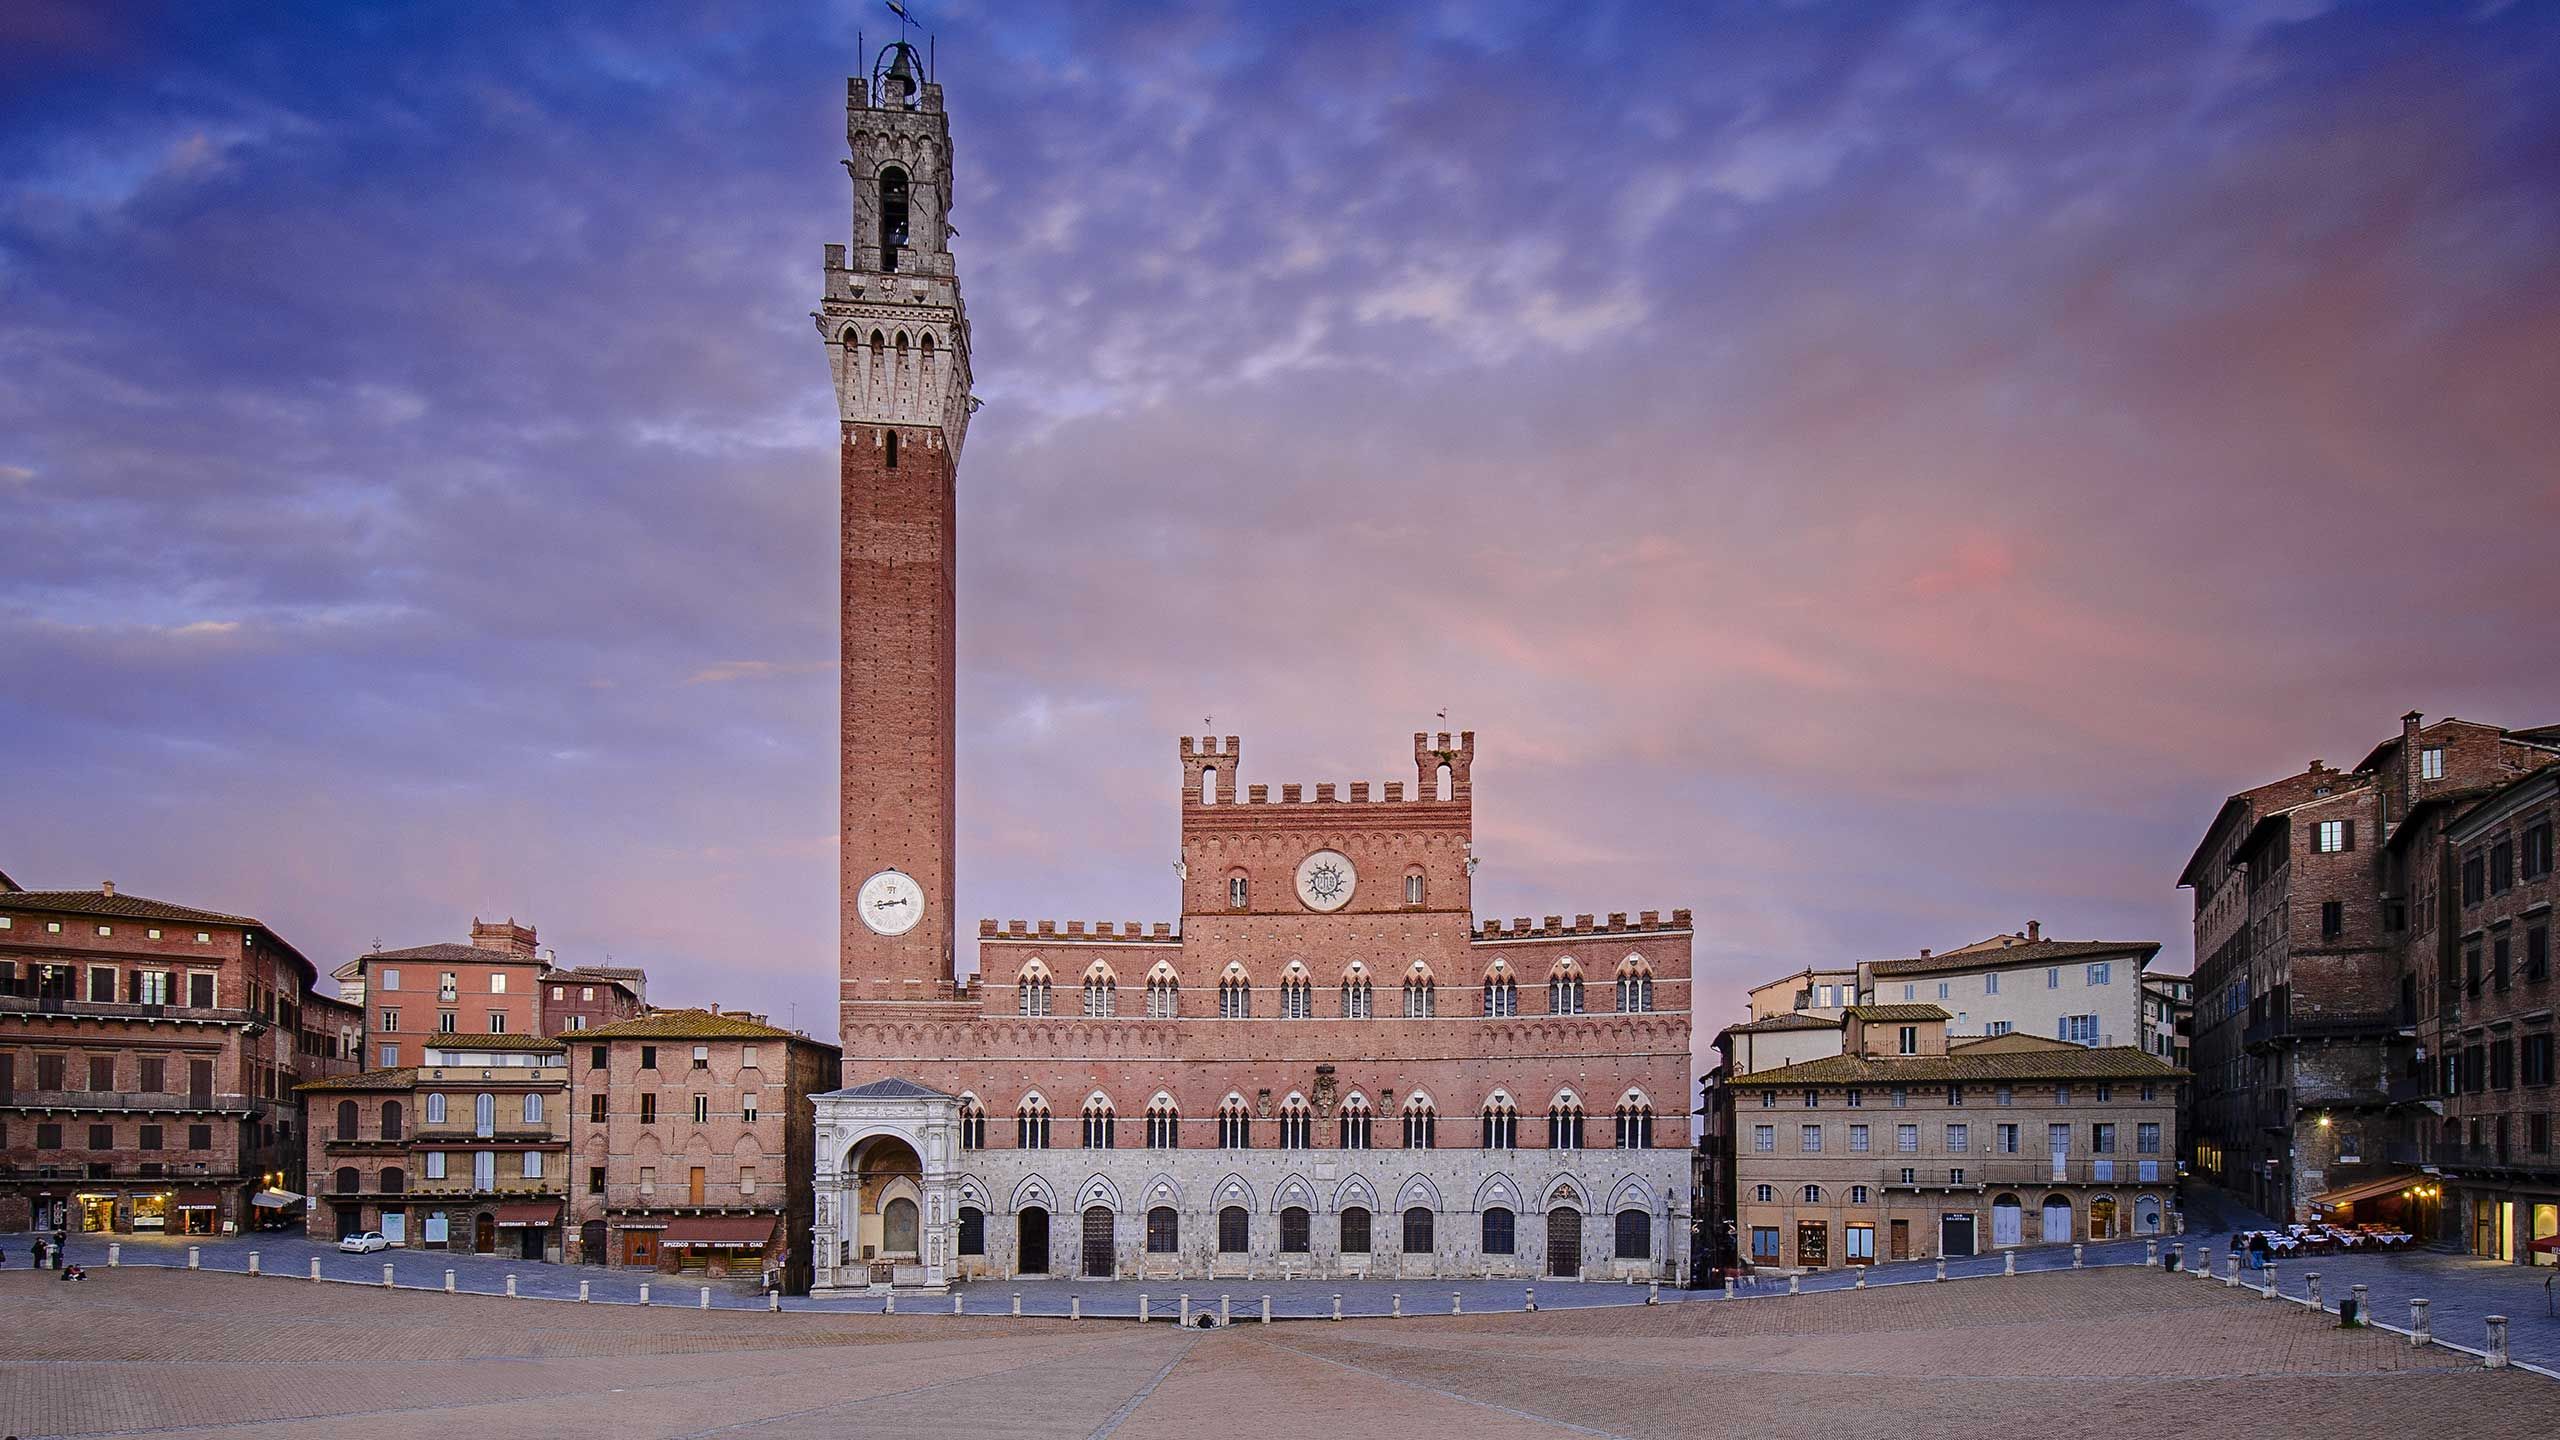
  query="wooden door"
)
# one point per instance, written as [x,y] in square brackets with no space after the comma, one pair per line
[640,1247]
[1564,1243]
[1901,1241]
[484,1236]
[693,1184]
[1099,1262]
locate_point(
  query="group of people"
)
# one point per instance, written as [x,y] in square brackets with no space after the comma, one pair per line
[47,1254]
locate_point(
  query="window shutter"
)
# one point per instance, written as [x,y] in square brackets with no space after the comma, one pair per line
[2348,840]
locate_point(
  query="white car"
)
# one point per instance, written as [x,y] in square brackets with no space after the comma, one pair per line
[363,1242]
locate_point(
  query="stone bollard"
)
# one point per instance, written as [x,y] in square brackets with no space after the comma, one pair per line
[315,1267]
[1185,1321]
[1266,1309]
[955,1306]
[1075,1307]
[2421,1330]
[1457,1303]
[2356,1297]
[1143,1315]
[2008,1262]
[195,1258]
[1337,1304]
[253,1262]
[2271,1280]
[115,1254]
[1224,1318]
[2178,1223]
[889,1303]
[511,1287]
[1529,1298]
[582,1289]
[1795,1284]
[2231,1270]
[1942,1267]
[1395,1305]
[2497,1343]
[448,1282]
[1861,1282]
[1017,1304]
[773,1301]
[2150,1252]
[386,1274]
[2077,1257]
[644,1292]
[2311,1282]
[1653,1289]
[706,1299]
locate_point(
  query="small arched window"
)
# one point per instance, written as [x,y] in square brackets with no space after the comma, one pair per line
[1417,1230]
[1355,1123]
[1355,1230]
[1501,1124]
[1294,1231]
[973,1123]
[889,443]
[1813,1194]
[1297,1124]
[1421,994]
[1031,1124]
[1237,891]
[1564,1124]
[346,1120]
[395,1181]
[1164,1124]
[1635,986]
[1858,1194]
[435,1107]
[893,215]
[1235,1230]
[1501,991]
[1498,1224]
[1765,1194]
[1413,887]
[1421,1125]
[1355,992]
[391,1119]
[484,1115]
[1101,1127]
[1164,1231]
[1235,994]
[348,1184]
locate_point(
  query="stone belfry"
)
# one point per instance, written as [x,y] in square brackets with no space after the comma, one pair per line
[897,338]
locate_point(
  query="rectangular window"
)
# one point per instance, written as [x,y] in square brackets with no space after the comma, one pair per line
[1764,1244]
[102,1072]
[2146,1138]
[1810,1139]
[746,1179]
[435,1164]
[448,1022]
[2333,919]
[2005,1139]
[648,1057]
[595,1108]
[532,1108]
[156,989]
[595,1057]
[1991,984]
[1764,1138]
[2498,956]
[1901,1097]
[2102,1139]
[2475,878]
[498,983]
[533,1164]
[389,1056]
[2099,973]
[2053,977]
[595,1179]
[199,1137]
[2536,1052]
[648,1179]
[648,1109]
[747,1057]
[155,1075]
[2330,837]
[701,1109]
[1858,1139]
[2080,1029]
[701,1057]
[2431,763]
[1959,1139]
[102,984]
[497,1022]
[1909,1040]
[484,1169]
[747,1107]
[390,1022]
[1996,1027]
[1862,1244]
[1943,989]
[2537,953]
[2502,867]
[1906,1139]
[387,979]
[447,988]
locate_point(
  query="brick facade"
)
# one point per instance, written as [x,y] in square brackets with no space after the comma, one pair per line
[1283,1007]
[148,1058]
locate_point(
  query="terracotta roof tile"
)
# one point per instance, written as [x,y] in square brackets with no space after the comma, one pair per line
[396,1079]
[2121,1062]
[2024,952]
[1871,1014]
[686,1025]
[127,907]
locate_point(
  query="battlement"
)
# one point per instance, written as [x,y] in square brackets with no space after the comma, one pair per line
[1553,927]
[1442,772]
[1054,931]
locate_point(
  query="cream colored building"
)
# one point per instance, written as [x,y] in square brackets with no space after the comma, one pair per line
[2086,992]
[1806,992]
[1906,1145]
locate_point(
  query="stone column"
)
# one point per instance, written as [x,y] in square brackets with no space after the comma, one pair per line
[2421,1328]
[2311,1281]
[2497,1342]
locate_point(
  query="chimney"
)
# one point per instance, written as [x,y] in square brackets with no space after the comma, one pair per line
[107,888]
[2318,769]
[2035,931]
[1924,952]
[507,938]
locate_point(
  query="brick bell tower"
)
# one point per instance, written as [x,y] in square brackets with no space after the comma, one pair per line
[897,338]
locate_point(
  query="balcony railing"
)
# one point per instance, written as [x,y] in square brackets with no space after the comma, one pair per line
[2020,1170]
[2336,1025]
[121,1010]
[446,1138]
[115,1100]
[546,1189]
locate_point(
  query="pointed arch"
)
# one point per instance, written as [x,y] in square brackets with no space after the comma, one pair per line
[1355,1189]
[1418,1190]
[1233,1189]
[1630,1194]
[1499,1190]
[1162,1189]
[1033,1192]
[1097,1189]
[1293,1190]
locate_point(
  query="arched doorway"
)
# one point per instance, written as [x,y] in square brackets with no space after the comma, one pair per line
[2008,1222]
[2057,1219]
[1564,1242]
[2102,1218]
[886,1223]
[1099,1262]
[2146,1215]
[1031,1241]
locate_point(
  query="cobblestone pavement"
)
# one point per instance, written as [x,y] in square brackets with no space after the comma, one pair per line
[150,1351]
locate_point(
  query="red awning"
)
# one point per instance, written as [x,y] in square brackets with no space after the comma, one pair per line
[542,1213]
[734,1232]
[2547,1245]
[198,1199]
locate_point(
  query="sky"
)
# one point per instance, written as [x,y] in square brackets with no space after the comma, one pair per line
[1871,473]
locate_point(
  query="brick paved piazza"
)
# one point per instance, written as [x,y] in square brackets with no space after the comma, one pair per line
[156,1352]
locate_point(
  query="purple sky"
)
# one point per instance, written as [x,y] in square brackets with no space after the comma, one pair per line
[1870,473]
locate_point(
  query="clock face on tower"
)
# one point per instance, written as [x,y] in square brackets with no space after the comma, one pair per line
[1326,880]
[890,902]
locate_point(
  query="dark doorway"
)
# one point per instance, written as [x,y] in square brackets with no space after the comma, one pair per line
[1098,1259]
[350,1220]
[1564,1243]
[1031,1242]
[591,1242]
[1955,1236]
[537,1238]
[484,1235]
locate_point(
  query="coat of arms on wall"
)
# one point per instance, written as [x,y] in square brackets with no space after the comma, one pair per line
[1324,1090]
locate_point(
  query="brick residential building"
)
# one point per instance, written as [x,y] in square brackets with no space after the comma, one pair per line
[148,1056]
[1910,1144]
[592,996]
[694,1140]
[492,986]
[1331,1067]
[467,1150]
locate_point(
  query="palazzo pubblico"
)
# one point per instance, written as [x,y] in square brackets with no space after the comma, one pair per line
[1328,1067]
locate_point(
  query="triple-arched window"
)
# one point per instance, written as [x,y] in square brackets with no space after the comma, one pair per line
[1355,1123]
[1297,997]
[1421,1126]
[1031,1123]
[1501,1123]
[1421,996]
[1635,1122]
[1101,1127]
[1635,986]
[1564,988]
[1164,1124]
[1101,992]
[973,1123]
[1297,1124]
[1034,987]
[1235,994]
[1355,992]
[1501,990]
[1564,1123]
[1164,993]
[1235,1124]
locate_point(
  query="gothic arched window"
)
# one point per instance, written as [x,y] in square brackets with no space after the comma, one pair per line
[1635,986]
[1355,1123]
[1101,1127]
[1164,1124]
[1235,1124]
[893,215]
